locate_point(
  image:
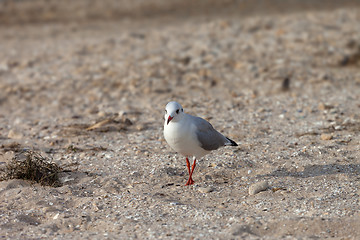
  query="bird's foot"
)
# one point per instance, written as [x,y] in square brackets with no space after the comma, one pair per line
[189,182]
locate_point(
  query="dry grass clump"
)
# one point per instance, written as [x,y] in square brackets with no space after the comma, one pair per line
[30,165]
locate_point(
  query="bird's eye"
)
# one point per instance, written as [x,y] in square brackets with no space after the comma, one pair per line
[177,111]
[182,110]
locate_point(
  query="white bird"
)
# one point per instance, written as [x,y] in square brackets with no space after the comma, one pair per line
[191,136]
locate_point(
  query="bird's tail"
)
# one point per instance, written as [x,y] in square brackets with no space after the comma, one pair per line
[230,143]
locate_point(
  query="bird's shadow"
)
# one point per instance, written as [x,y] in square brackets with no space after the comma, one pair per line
[317,170]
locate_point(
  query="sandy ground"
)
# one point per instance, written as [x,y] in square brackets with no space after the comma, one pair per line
[285,86]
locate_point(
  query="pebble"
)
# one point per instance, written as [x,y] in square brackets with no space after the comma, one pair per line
[101,114]
[212,165]
[348,121]
[338,127]
[140,127]
[205,189]
[14,134]
[258,187]
[7,157]
[4,67]
[326,136]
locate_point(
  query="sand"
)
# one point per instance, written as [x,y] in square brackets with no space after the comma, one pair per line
[89,93]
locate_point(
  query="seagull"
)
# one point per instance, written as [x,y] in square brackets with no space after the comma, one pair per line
[191,136]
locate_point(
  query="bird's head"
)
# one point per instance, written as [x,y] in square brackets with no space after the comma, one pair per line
[173,112]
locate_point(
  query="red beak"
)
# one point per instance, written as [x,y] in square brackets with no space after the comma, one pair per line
[169,119]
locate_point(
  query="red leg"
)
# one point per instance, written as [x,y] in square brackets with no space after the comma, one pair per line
[188,165]
[193,167]
[190,181]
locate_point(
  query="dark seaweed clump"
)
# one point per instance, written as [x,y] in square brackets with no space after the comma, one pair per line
[32,166]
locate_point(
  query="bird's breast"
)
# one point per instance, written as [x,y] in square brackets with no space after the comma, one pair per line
[175,134]
[182,139]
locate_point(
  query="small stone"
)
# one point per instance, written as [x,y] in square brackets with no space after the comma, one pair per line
[205,189]
[4,67]
[326,136]
[323,106]
[333,111]
[347,121]
[258,187]
[285,86]
[7,157]
[101,114]
[140,127]
[17,183]
[221,206]
[14,134]
[127,121]
[338,127]
[28,219]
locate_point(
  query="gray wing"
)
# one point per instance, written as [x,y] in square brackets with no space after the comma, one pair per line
[209,138]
